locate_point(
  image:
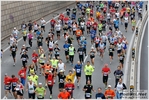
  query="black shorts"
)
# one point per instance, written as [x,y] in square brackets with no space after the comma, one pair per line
[41,63]
[43,27]
[54,69]
[121,17]
[92,57]
[112,44]
[24,38]
[46,76]
[35,31]
[66,53]
[100,31]
[61,85]
[19,93]
[122,62]
[13,54]
[105,79]
[126,25]
[88,28]
[111,54]
[119,51]
[78,38]
[13,90]
[78,74]
[31,95]
[58,33]
[96,45]
[88,97]
[39,44]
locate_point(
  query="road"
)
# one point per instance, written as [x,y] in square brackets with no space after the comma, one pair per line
[144,62]
[7,63]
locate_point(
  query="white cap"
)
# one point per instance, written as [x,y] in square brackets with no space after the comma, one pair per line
[14,28]
[40,83]
[92,48]
[109,86]
[23,45]
[71,44]
[61,71]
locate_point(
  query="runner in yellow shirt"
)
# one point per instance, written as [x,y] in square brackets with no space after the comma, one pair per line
[71,76]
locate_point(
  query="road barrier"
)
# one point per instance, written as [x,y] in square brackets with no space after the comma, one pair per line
[134,59]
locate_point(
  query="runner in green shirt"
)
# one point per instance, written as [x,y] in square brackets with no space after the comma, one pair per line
[40,91]
[88,11]
[100,28]
[88,70]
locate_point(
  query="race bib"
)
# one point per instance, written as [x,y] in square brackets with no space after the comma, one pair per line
[81,52]
[61,81]
[7,86]
[17,89]
[40,96]
[66,49]
[105,73]
[78,70]
[69,89]
[24,59]
[88,95]
[13,49]
[31,88]
[14,83]
[117,76]
[22,74]
[99,98]
[49,82]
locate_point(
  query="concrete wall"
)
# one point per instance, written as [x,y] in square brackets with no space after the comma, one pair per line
[14,12]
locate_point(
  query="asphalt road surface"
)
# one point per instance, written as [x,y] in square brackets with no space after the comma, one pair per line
[144,62]
[7,63]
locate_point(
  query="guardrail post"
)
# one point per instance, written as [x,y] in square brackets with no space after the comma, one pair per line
[146,7]
[133,53]
[131,92]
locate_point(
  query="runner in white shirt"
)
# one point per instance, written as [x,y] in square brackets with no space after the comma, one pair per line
[101,49]
[43,23]
[108,17]
[82,24]
[126,21]
[104,39]
[61,66]
[58,29]
[74,28]
[119,33]
[119,48]
[117,15]
[15,33]
[51,45]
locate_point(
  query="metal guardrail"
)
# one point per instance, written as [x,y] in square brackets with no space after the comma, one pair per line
[135,48]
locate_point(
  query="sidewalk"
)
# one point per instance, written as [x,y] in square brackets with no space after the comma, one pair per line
[4,43]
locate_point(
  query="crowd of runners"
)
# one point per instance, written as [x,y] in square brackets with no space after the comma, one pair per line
[94,19]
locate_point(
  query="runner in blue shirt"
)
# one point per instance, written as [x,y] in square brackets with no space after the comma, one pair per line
[78,68]
[93,35]
[66,46]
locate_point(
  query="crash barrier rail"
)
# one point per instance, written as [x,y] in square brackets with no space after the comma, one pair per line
[134,57]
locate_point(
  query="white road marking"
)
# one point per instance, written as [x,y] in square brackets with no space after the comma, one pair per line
[85,58]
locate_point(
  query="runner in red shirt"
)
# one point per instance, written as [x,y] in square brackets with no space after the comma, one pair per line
[34,58]
[22,74]
[105,71]
[52,22]
[88,26]
[66,20]
[94,25]
[101,17]
[61,17]
[7,85]
[104,10]
[70,87]
[50,82]
[91,12]
[14,83]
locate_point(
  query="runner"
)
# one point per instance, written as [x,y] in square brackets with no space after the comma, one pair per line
[126,21]
[78,34]
[119,87]
[105,71]
[88,25]
[30,88]
[40,91]
[41,60]
[46,68]
[64,94]
[34,59]
[92,55]
[88,88]
[121,59]
[109,93]
[92,34]
[61,80]
[57,51]
[15,33]
[50,82]
[24,33]
[52,22]
[30,26]
[119,48]
[71,75]
[36,27]
[71,51]
[50,45]
[43,23]
[78,69]
[133,24]
[118,74]
[100,95]
[40,40]
[34,77]
[100,28]
[30,38]
[111,51]
[66,47]
[13,50]
[70,87]
[54,63]
[88,70]
[22,74]
[24,58]
[61,65]
[31,69]
[81,54]
[124,43]
[7,85]
[14,80]
[19,88]
[84,43]
[68,11]
[58,28]
[97,41]
[101,49]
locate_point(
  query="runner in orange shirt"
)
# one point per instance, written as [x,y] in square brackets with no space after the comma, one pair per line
[46,68]
[109,93]
[64,95]
[78,34]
